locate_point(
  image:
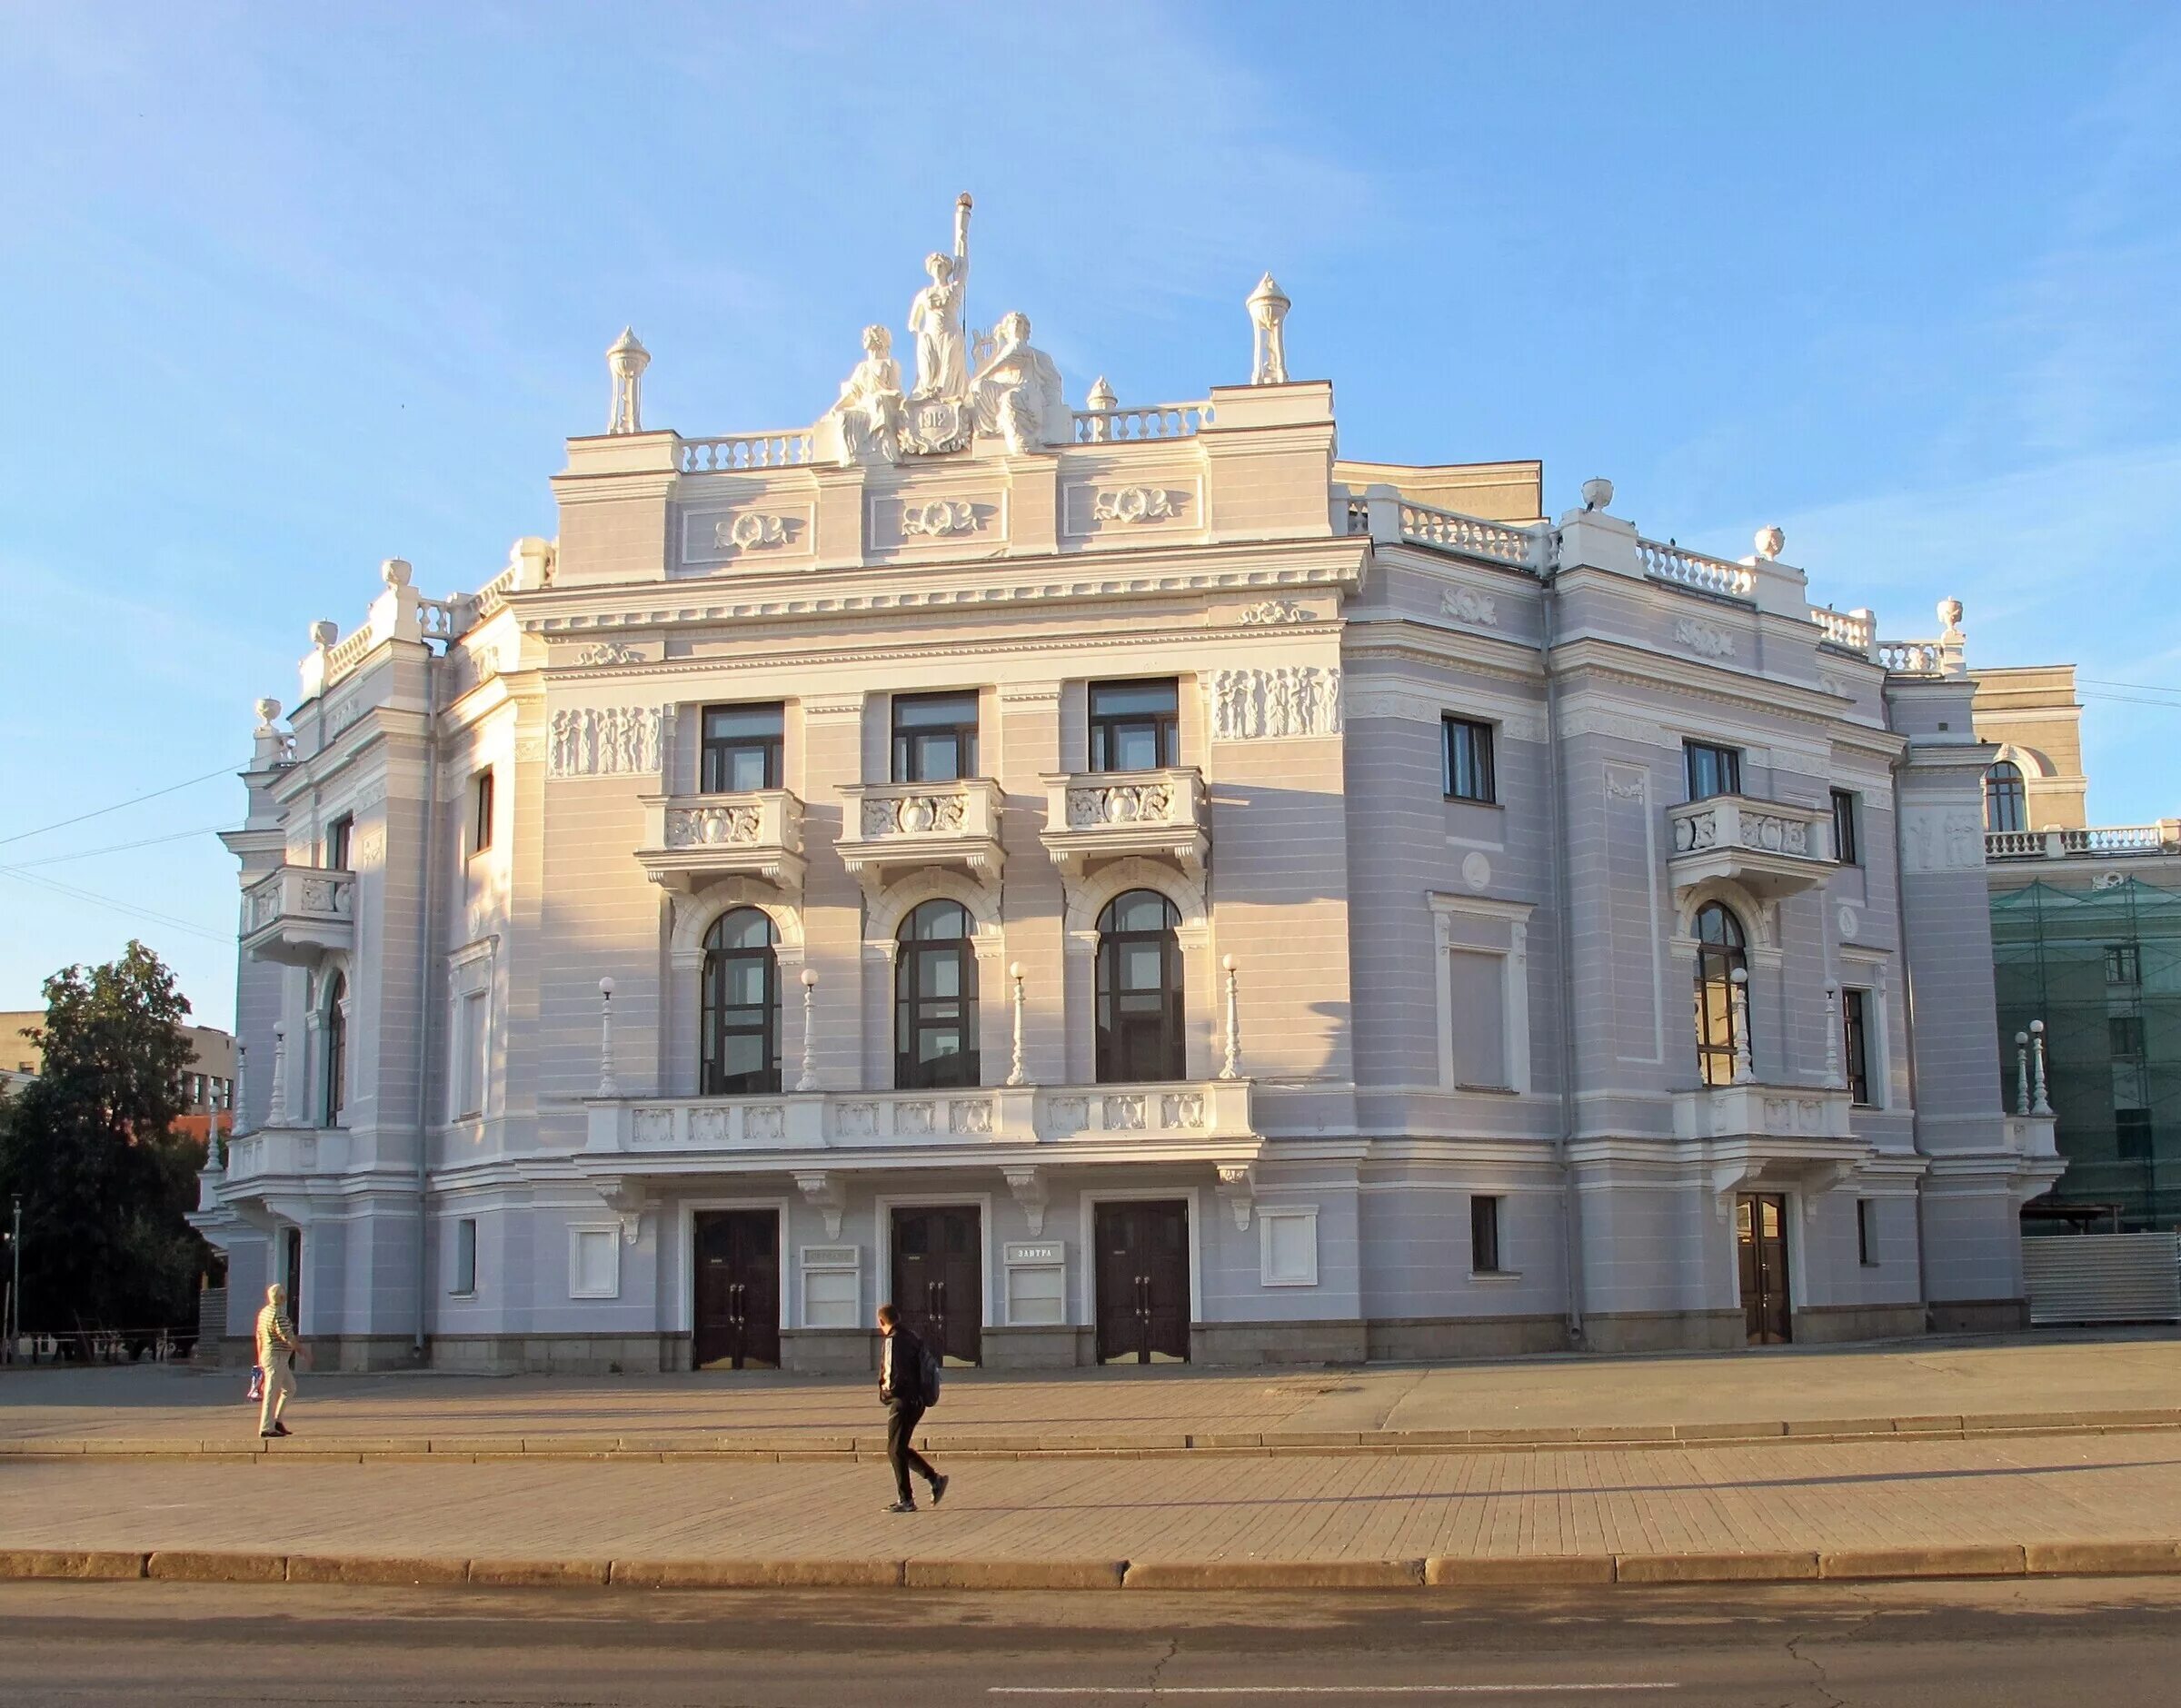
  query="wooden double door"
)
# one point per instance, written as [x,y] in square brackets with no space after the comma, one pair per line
[939,1278]
[1760,1235]
[1143,1258]
[737,1324]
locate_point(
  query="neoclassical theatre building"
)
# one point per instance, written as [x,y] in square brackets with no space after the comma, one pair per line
[1125,884]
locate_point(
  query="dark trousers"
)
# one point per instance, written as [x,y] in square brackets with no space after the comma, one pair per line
[900,1425]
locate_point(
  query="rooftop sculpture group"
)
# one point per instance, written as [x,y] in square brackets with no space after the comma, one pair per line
[1014,392]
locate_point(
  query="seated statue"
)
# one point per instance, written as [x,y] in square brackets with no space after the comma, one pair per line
[864,423]
[1018,392]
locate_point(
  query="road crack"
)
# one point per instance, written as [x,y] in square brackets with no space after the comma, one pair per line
[1818,1670]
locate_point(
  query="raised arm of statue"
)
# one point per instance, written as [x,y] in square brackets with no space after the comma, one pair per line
[961,238]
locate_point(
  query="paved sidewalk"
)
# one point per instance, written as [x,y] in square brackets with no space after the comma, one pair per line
[2027,1382]
[1792,1503]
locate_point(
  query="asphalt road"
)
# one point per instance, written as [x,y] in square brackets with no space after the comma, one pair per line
[2115,1644]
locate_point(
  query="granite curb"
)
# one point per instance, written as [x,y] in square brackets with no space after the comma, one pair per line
[2130,1558]
[309,1446]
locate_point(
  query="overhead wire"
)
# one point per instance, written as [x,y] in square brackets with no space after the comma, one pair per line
[118,905]
[22,835]
[114,848]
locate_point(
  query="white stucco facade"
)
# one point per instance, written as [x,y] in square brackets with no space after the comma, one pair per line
[1414,1016]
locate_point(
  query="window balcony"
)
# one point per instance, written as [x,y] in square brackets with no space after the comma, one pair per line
[1108,815]
[690,839]
[889,828]
[1177,1121]
[298,914]
[1769,847]
[1797,1112]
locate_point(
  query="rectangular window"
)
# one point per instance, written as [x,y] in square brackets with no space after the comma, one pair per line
[473,1037]
[741,748]
[1465,771]
[465,1255]
[340,837]
[934,737]
[1484,1235]
[2132,1135]
[1476,993]
[1855,1043]
[1713,770]
[2125,1032]
[2124,963]
[1846,847]
[481,812]
[1867,1232]
[1286,1253]
[1135,726]
[594,1263]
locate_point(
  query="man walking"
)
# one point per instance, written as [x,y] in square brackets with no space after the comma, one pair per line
[277,1347]
[902,1392]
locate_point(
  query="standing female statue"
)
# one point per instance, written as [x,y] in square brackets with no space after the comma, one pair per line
[943,360]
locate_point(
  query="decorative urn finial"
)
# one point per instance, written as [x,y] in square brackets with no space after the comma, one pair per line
[626,361]
[1102,395]
[1770,542]
[396,572]
[1268,308]
[324,632]
[267,710]
[1949,614]
[1597,495]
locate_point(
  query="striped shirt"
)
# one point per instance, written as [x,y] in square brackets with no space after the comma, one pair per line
[274,1334]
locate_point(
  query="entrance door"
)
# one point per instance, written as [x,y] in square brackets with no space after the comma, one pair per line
[1143,1283]
[290,1273]
[737,1290]
[939,1280]
[1760,1225]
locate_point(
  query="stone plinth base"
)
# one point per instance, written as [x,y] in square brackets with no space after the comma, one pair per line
[1279,1343]
[559,1355]
[1978,1316]
[1664,1331]
[1822,1325]
[831,1351]
[1424,1338]
[1059,1347]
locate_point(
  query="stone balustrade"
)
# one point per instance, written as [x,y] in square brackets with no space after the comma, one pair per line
[1757,1109]
[1912,658]
[1182,1112]
[1677,567]
[1770,847]
[297,914]
[889,827]
[1847,630]
[690,839]
[1474,537]
[274,1153]
[1153,421]
[789,449]
[1092,815]
[2094,842]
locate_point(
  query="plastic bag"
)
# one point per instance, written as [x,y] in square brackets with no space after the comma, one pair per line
[257,1385]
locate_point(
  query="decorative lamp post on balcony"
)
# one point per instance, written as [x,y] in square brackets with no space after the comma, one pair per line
[2021,1073]
[2039,1104]
[1233,1067]
[809,1081]
[606,1087]
[1834,1021]
[1016,1075]
[276,1107]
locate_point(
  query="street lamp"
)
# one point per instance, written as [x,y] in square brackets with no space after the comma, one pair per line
[14,1289]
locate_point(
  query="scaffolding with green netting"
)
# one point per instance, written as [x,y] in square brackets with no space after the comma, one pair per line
[2101,967]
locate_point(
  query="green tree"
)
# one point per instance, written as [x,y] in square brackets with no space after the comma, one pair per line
[106,1182]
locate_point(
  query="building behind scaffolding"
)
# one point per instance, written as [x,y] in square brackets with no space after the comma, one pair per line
[2086,939]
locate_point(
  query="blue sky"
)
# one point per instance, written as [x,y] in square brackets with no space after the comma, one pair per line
[289,289]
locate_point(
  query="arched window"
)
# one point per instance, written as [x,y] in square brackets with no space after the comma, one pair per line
[1721,952]
[1139,1034]
[935,1001]
[334,1095]
[740,1020]
[2005,800]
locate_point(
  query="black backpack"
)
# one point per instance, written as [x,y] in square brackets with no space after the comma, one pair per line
[928,1367]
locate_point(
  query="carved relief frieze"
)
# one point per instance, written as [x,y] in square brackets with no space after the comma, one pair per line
[1941,839]
[940,517]
[609,653]
[1134,505]
[1251,705]
[711,536]
[1466,604]
[606,742]
[752,531]
[1703,639]
[1275,612]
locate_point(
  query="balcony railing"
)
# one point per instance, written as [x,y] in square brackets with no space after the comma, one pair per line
[295,914]
[1680,568]
[1845,631]
[1093,815]
[689,839]
[1766,1111]
[788,449]
[1770,846]
[889,828]
[1182,1113]
[2097,842]
[1153,421]
[1474,537]
[283,1152]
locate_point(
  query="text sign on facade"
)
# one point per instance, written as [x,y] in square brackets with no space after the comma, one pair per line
[1053,1253]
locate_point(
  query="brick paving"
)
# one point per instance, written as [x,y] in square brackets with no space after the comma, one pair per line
[1791,1386]
[1898,1493]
